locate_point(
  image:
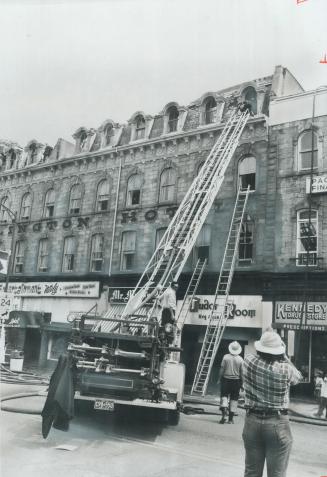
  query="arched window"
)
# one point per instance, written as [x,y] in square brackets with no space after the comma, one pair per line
[173,115]
[4,215]
[26,206]
[247,172]
[49,203]
[167,185]
[139,127]
[210,110]
[75,199]
[97,249]
[19,256]
[245,249]
[134,190]
[308,150]
[250,95]
[69,257]
[42,262]
[307,237]
[103,196]
[108,134]
[202,244]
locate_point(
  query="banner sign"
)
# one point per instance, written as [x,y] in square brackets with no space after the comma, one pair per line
[244,311]
[54,289]
[121,295]
[293,315]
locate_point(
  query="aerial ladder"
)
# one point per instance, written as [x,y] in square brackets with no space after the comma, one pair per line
[172,252]
[219,314]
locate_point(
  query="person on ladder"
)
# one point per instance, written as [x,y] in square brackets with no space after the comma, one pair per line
[230,377]
[168,303]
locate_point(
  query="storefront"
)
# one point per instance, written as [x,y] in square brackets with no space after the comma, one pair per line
[244,324]
[303,326]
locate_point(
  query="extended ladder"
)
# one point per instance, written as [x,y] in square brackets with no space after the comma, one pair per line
[175,246]
[220,310]
[190,292]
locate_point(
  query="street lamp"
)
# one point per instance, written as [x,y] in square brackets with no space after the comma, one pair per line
[10,260]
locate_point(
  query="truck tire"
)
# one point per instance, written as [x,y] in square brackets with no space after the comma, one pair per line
[173,417]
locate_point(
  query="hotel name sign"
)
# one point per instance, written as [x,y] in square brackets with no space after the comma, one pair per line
[293,315]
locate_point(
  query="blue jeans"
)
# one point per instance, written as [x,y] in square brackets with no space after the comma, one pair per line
[266,439]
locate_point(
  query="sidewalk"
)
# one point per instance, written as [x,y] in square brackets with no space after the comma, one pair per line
[299,410]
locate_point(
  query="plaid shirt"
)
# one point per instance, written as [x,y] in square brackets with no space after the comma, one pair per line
[266,385]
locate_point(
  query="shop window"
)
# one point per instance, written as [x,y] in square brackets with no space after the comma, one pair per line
[128,249]
[19,256]
[167,185]
[134,190]
[210,110]
[4,215]
[173,115]
[97,249]
[49,203]
[250,95]
[202,244]
[307,238]
[139,127]
[247,172]
[26,206]
[109,134]
[245,249]
[308,151]
[103,196]
[70,247]
[75,199]
[42,263]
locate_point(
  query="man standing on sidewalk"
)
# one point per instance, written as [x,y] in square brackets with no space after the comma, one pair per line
[230,376]
[266,381]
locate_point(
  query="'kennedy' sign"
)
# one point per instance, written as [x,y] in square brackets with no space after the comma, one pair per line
[312,315]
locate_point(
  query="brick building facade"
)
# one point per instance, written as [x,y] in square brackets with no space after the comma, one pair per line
[94,210]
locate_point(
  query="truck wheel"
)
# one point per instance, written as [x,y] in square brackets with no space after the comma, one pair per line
[173,417]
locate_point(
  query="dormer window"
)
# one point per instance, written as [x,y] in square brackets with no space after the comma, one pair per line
[140,127]
[33,152]
[210,110]
[250,96]
[173,116]
[82,140]
[12,158]
[108,135]
[47,152]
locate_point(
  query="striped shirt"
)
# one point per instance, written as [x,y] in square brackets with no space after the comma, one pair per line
[266,385]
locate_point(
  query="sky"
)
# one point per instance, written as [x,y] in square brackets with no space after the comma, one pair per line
[71,63]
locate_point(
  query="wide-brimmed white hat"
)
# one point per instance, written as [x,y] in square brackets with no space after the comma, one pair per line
[270,343]
[235,347]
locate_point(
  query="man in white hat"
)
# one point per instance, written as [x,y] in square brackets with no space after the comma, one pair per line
[230,377]
[266,380]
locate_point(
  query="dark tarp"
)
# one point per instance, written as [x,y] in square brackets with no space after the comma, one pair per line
[59,405]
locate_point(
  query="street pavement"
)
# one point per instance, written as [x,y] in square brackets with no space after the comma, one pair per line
[130,445]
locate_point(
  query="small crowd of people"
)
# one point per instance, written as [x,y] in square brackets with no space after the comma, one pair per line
[265,378]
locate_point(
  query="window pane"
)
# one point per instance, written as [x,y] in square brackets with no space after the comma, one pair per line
[306,158]
[306,141]
[97,248]
[307,238]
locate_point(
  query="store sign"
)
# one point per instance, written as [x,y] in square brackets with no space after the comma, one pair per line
[319,184]
[293,315]
[8,303]
[244,311]
[54,289]
[120,295]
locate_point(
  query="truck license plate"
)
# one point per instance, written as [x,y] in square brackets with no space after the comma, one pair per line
[104,405]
